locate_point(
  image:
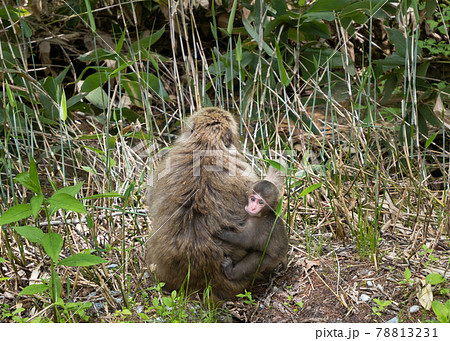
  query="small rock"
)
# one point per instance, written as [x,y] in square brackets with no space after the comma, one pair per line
[393,320]
[98,305]
[414,308]
[369,283]
[364,298]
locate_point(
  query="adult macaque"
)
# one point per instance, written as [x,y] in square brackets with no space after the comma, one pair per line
[264,235]
[199,189]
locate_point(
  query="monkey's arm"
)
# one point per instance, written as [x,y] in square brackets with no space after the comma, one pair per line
[242,239]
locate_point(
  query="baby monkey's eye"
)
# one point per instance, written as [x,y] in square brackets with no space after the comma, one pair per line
[252,198]
[261,202]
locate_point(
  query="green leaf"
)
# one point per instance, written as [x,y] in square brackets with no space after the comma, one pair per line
[328,5]
[2,260]
[98,97]
[104,195]
[309,189]
[434,278]
[145,43]
[90,15]
[52,243]
[82,259]
[34,176]
[277,165]
[16,213]
[67,202]
[94,81]
[120,43]
[279,209]
[283,75]
[239,49]
[441,311]
[252,32]
[34,289]
[407,273]
[31,233]
[63,107]
[36,203]
[231,18]
[431,139]
[30,179]
[398,39]
[25,180]
[71,190]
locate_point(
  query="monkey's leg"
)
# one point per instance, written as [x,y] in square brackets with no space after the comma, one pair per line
[245,268]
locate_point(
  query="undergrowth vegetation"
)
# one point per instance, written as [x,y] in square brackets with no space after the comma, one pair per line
[354,95]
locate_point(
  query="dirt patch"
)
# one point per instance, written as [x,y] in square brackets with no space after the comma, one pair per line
[332,289]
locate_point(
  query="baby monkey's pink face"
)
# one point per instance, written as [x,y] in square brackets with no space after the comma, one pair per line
[255,204]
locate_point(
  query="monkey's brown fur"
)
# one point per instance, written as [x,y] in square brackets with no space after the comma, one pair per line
[199,188]
[264,237]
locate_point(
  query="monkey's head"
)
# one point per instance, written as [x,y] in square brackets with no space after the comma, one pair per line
[263,197]
[209,126]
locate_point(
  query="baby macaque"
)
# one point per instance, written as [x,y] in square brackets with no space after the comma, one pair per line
[264,235]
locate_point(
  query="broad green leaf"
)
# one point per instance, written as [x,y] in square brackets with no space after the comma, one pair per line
[71,190]
[328,5]
[441,311]
[2,260]
[36,203]
[33,234]
[94,81]
[52,243]
[13,13]
[82,259]
[59,79]
[277,165]
[26,180]
[393,60]
[398,39]
[309,189]
[67,202]
[16,213]
[98,97]
[34,289]
[434,278]
[133,90]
